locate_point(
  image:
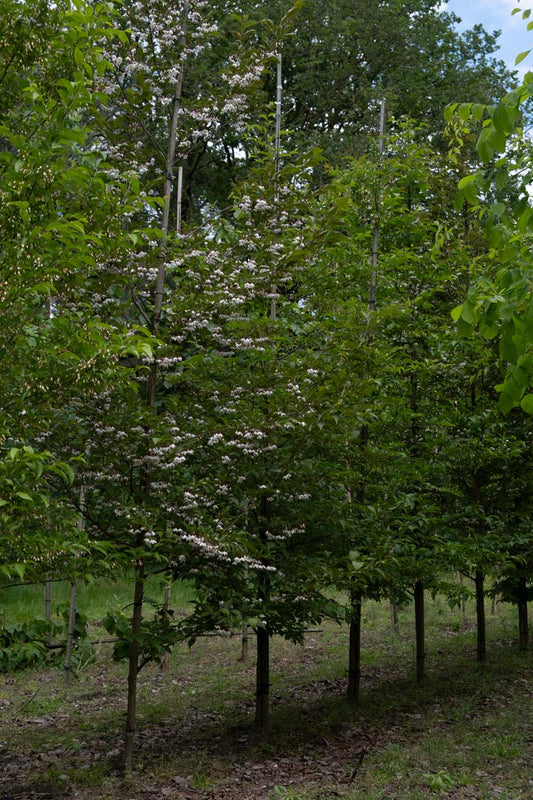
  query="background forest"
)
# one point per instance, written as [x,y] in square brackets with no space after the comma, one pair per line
[266,320]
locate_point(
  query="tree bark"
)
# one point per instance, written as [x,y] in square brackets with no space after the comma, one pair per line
[420,632]
[165,663]
[244,644]
[376,231]
[133,668]
[262,690]
[48,598]
[463,601]
[394,617]
[523,626]
[354,659]
[70,633]
[480,616]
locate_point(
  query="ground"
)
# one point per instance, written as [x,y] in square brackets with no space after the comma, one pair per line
[467,734]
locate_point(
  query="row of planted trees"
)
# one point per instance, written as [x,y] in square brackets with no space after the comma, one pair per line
[263,395]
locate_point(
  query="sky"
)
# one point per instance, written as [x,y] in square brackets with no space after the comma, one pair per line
[496,15]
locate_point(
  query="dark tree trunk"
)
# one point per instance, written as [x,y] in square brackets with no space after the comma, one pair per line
[165,663]
[133,667]
[420,632]
[262,689]
[394,617]
[480,617]
[523,626]
[70,632]
[48,598]
[244,644]
[354,656]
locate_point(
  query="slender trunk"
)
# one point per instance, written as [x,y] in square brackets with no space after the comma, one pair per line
[48,598]
[262,690]
[354,661]
[166,611]
[523,626]
[244,644]
[394,617]
[480,616]
[70,633]
[133,667]
[375,233]
[73,598]
[420,632]
[167,194]
[463,601]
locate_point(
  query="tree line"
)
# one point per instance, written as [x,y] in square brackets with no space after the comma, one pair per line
[232,247]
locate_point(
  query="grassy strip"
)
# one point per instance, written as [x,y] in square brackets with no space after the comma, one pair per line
[464,735]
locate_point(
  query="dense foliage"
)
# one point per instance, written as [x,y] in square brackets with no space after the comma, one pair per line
[228,348]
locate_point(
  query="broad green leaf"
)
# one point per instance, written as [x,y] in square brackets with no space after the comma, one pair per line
[501,120]
[456,313]
[520,57]
[468,312]
[507,349]
[506,403]
[484,148]
[526,403]
[497,140]
[449,111]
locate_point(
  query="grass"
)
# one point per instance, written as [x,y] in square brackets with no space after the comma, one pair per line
[465,734]
[95,598]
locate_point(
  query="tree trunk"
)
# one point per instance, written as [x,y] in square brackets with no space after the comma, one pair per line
[394,617]
[244,644]
[523,626]
[420,633]
[133,668]
[376,231]
[166,610]
[354,658]
[70,633]
[480,616]
[463,601]
[48,598]
[262,690]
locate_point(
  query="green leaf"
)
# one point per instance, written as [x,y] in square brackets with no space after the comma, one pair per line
[526,403]
[456,313]
[507,348]
[497,209]
[449,111]
[484,148]
[497,140]
[520,57]
[466,181]
[506,403]
[24,496]
[468,312]
[501,120]
[464,328]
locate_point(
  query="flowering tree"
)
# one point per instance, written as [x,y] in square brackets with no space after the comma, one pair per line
[60,219]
